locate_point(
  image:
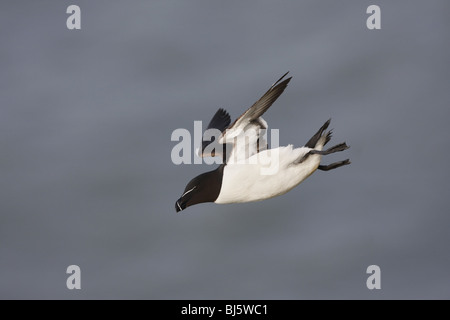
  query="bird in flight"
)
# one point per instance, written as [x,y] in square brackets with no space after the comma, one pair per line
[241,176]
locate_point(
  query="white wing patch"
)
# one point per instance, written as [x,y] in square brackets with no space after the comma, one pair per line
[246,141]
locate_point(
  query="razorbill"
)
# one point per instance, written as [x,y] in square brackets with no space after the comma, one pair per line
[240,178]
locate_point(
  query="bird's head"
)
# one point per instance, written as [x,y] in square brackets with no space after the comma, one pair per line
[203,188]
[189,197]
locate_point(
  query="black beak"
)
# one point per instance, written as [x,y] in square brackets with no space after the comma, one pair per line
[180,205]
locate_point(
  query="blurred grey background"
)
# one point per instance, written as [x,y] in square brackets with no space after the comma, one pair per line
[86,175]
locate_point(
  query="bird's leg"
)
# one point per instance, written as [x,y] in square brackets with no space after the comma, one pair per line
[339,147]
[334,165]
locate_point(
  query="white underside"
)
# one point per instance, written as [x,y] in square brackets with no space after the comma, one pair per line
[266,174]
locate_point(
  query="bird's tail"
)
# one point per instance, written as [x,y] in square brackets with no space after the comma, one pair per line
[321,137]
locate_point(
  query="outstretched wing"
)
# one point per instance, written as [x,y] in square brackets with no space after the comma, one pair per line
[245,132]
[220,121]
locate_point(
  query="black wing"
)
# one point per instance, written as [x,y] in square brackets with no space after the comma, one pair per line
[220,121]
[264,103]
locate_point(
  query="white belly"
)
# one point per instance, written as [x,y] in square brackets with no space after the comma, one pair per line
[265,175]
